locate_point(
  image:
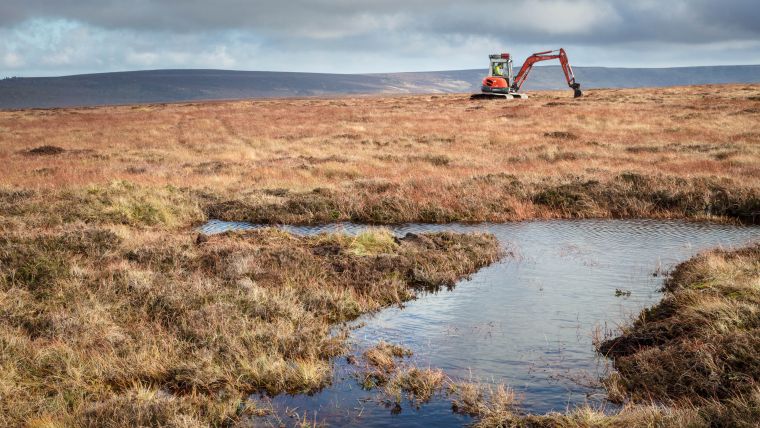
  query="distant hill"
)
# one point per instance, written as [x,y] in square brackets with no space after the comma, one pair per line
[187,85]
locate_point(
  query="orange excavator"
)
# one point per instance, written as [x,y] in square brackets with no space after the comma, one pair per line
[501,83]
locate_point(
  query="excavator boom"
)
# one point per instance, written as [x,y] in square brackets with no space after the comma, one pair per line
[559,54]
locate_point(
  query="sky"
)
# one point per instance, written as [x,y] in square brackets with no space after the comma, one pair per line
[62,37]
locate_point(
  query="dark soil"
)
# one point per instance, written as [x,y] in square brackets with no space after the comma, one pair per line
[45,151]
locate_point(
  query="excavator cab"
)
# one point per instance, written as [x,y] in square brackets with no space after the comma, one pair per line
[501,66]
[500,76]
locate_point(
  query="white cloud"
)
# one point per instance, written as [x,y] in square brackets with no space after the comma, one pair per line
[13,60]
[42,37]
[562,17]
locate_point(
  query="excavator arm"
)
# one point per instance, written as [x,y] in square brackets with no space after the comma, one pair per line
[560,54]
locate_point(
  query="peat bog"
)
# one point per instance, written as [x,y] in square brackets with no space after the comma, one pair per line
[115,311]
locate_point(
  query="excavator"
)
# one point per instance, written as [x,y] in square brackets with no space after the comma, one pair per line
[501,82]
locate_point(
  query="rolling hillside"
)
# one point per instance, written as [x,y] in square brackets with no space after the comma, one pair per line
[186,85]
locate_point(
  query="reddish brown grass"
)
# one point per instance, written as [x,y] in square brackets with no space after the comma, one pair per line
[423,149]
[387,159]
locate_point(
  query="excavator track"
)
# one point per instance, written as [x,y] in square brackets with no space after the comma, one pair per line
[496,96]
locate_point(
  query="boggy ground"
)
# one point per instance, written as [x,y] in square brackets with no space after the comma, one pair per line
[115,326]
[668,152]
[693,360]
[114,313]
[700,346]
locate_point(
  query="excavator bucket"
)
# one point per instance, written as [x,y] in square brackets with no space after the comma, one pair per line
[577,93]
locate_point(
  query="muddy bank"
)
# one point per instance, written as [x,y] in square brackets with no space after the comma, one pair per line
[118,326]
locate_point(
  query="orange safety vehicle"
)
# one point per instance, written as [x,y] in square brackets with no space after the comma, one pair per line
[501,83]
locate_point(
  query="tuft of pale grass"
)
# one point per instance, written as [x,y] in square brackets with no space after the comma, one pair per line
[383,355]
[418,384]
[492,405]
[126,203]
[372,242]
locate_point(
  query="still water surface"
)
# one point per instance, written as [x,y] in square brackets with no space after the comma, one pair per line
[527,321]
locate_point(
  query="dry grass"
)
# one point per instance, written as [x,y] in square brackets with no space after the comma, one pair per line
[112,313]
[493,405]
[384,355]
[381,363]
[418,384]
[666,152]
[114,326]
[701,344]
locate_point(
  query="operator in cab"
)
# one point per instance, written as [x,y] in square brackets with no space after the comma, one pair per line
[498,69]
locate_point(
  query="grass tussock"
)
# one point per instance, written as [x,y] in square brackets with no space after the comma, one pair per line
[109,326]
[418,384]
[45,151]
[373,242]
[382,361]
[492,405]
[702,342]
[384,355]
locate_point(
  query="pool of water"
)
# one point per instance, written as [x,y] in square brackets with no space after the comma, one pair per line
[527,321]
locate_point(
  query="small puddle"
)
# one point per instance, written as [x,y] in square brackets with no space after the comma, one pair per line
[527,321]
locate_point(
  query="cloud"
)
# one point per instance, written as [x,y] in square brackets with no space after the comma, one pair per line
[636,20]
[49,37]
[12,60]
